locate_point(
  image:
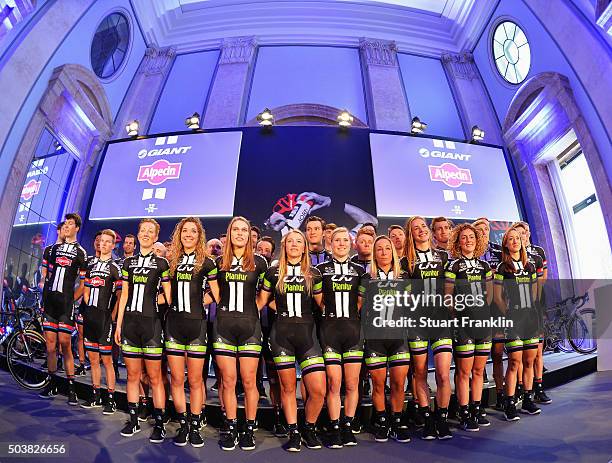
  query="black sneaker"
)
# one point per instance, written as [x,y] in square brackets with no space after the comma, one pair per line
[294,444]
[400,433]
[280,430]
[130,429]
[143,411]
[480,416]
[158,435]
[182,435]
[499,402]
[510,412]
[442,426]
[225,426]
[518,395]
[529,407]
[229,438]
[95,402]
[381,431]
[49,392]
[80,370]
[335,437]
[348,438]
[541,397]
[203,422]
[247,439]
[429,426]
[356,426]
[195,438]
[109,408]
[310,438]
[72,398]
[467,422]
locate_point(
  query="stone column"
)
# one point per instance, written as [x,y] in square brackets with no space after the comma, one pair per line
[144,92]
[228,96]
[472,99]
[386,100]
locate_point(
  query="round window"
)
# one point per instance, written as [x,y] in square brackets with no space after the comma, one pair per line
[109,46]
[511,52]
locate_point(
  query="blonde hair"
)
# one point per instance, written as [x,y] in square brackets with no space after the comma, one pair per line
[111,233]
[506,257]
[178,249]
[395,264]
[409,247]
[304,264]
[454,245]
[148,220]
[248,258]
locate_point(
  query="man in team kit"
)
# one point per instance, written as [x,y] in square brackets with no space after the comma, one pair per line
[315,234]
[363,246]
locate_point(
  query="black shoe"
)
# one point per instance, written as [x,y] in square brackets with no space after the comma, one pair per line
[356,426]
[49,392]
[182,435]
[518,395]
[130,429]
[229,437]
[95,402]
[310,438]
[262,390]
[195,438]
[294,444]
[143,411]
[247,439]
[280,430]
[400,433]
[72,398]
[529,407]
[429,426]
[480,416]
[109,408]
[442,426]
[158,435]
[348,438]
[510,412]
[203,421]
[541,397]
[335,437]
[381,430]
[467,422]
[500,402]
[80,370]
[225,426]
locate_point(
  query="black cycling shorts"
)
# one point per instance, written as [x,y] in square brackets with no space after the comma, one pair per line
[237,336]
[185,335]
[341,341]
[98,331]
[379,352]
[142,337]
[58,313]
[296,341]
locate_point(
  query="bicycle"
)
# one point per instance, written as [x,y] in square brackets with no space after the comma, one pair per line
[570,326]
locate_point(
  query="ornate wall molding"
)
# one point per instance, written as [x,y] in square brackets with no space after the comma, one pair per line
[237,50]
[460,65]
[379,52]
[157,60]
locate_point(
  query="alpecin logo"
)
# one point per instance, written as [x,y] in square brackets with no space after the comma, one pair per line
[30,189]
[450,175]
[63,261]
[96,282]
[160,171]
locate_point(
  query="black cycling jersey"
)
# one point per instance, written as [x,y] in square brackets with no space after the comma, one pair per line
[103,279]
[295,304]
[533,249]
[364,263]
[429,267]
[517,281]
[341,288]
[493,255]
[318,257]
[469,276]
[188,287]
[238,288]
[65,262]
[144,275]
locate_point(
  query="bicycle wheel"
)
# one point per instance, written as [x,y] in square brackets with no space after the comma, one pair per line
[581,331]
[26,353]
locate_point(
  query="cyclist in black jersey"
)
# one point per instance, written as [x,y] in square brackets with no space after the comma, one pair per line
[389,352]
[294,285]
[65,266]
[237,329]
[341,335]
[398,238]
[314,234]
[492,256]
[102,286]
[470,281]
[139,329]
[426,267]
[364,242]
[191,272]
[515,293]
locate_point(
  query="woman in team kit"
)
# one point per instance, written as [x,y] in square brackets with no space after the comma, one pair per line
[389,350]
[139,329]
[468,276]
[426,267]
[186,336]
[294,285]
[341,335]
[237,331]
[515,294]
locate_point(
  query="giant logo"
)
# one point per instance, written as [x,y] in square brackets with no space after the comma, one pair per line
[163,151]
[30,189]
[450,175]
[425,153]
[160,171]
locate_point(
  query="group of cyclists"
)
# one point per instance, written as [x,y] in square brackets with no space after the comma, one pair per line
[166,313]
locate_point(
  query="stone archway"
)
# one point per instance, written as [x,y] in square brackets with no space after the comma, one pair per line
[306,114]
[542,112]
[75,108]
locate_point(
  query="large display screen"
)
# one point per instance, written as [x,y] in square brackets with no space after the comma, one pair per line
[170,176]
[430,177]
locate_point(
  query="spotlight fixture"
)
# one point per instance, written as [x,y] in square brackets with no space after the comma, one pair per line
[132,128]
[418,126]
[265,118]
[193,122]
[345,119]
[477,134]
